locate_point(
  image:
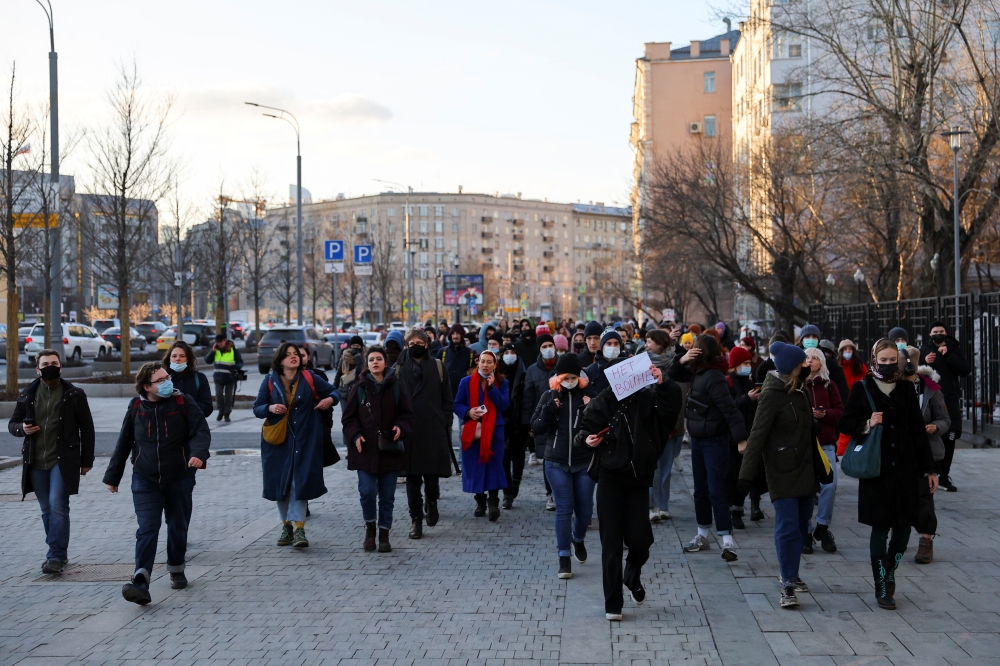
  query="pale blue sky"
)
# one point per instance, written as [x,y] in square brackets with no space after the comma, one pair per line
[531,97]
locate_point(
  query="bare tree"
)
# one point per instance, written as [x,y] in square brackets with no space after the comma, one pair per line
[218,252]
[386,274]
[314,272]
[283,270]
[130,173]
[256,242]
[176,251]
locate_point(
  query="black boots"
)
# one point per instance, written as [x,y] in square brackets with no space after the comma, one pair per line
[494,503]
[431,507]
[894,559]
[737,516]
[510,494]
[755,512]
[370,536]
[417,528]
[383,541]
[882,570]
[480,506]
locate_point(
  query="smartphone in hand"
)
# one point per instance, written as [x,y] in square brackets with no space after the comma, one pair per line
[604,432]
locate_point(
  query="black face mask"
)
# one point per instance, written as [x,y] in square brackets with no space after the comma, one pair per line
[938,339]
[418,351]
[50,372]
[889,371]
[804,372]
[578,347]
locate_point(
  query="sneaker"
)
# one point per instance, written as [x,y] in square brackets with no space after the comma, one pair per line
[178,581]
[696,544]
[52,567]
[654,515]
[137,590]
[532,459]
[738,520]
[826,541]
[565,567]
[788,598]
[664,515]
[799,585]
[286,537]
[729,555]
[807,545]
[580,552]
[550,503]
[614,617]
[299,540]
[638,594]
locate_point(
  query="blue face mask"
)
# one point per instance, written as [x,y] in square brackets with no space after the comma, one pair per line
[810,343]
[901,346]
[165,389]
[745,370]
[178,367]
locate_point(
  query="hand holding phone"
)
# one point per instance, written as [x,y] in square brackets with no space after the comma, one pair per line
[604,432]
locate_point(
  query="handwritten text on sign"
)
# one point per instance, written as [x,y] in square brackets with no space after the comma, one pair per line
[630,375]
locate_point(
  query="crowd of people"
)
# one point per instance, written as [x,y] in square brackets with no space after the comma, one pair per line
[757,424]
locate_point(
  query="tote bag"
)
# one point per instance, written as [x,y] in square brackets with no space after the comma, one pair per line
[863,457]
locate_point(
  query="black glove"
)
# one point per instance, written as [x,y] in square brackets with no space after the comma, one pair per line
[743,487]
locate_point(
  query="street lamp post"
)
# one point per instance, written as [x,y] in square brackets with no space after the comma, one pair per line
[299,280]
[830,281]
[955,141]
[859,279]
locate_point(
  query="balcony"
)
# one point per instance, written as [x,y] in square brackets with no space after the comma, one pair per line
[487,234]
[486,220]
[519,235]
[360,229]
[549,269]
[548,236]
[487,250]
[548,224]
[517,222]
[488,261]
[519,265]
[518,253]
[548,254]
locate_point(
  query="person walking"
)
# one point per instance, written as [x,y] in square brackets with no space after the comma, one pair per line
[936,422]
[427,456]
[852,363]
[890,502]
[592,334]
[53,417]
[228,361]
[536,382]
[481,400]
[943,353]
[377,422]
[714,423]
[181,363]
[513,453]
[458,359]
[330,455]
[527,346]
[833,367]
[291,448]
[628,437]
[745,395]
[660,347]
[351,366]
[566,464]
[168,440]
[612,352]
[827,408]
[394,344]
[782,437]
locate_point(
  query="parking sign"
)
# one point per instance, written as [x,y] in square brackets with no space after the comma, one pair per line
[362,254]
[333,250]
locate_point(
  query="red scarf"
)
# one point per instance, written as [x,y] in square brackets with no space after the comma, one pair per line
[488,421]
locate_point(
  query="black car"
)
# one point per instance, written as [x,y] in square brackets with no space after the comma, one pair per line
[320,350]
[114,336]
[151,330]
[198,335]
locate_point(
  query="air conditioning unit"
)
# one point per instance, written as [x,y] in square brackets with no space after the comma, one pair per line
[694,128]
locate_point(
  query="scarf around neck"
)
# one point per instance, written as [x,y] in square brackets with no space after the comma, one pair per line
[488,421]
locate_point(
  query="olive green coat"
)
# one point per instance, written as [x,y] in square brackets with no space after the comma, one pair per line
[782,434]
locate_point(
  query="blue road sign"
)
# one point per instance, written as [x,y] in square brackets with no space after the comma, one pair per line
[362,254]
[333,250]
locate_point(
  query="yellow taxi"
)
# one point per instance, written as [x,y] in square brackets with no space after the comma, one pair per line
[166,339]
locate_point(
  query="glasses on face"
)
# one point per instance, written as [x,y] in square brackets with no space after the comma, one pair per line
[157,382]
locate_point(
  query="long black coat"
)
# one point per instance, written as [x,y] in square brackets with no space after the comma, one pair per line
[891,498]
[952,367]
[431,397]
[380,412]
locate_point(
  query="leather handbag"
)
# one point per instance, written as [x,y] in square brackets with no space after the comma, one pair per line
[277,433]
[863,457]
[385,444]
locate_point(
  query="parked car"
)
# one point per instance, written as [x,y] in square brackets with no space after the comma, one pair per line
[3,345]
[103,324]
[339,342]
[114,336]
[237,329]
[78,340]
[22,334]
[319,349]
[151,330]
[198,334]
[166,339]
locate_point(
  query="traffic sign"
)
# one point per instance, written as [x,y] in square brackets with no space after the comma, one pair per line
[609,310]
[334,267]
[364,269]
[362,255]
[333,250]
[582,289]
[472,308]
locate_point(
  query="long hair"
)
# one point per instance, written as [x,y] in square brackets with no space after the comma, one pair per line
[823,373]
[856,361]
[710,350]
[279,356]
[191,360]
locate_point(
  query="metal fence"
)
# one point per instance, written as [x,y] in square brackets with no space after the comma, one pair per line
[979,338]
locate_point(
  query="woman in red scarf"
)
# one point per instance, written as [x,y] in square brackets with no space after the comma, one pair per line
[479,403]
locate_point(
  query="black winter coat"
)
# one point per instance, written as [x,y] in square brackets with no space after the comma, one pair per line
[587,358]
[430,395]
[711,410]
[160,437]
[952,367]
[457,362]
[75,442]
[559,424]
[380,413]
[748,408]
[640,425]
[515,376]
[837,376]
[526,348]
[595,371]
[199,388]
[536,382]
[891,498]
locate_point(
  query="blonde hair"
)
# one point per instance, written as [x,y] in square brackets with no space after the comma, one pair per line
[823,373]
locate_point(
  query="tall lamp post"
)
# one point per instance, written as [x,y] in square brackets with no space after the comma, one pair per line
[830,281]
[299,280]
[955,141]
[859,279]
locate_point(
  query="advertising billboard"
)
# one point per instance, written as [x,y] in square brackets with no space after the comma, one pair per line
[461,289]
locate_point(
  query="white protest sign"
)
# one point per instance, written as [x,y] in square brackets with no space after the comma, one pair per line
[630,375]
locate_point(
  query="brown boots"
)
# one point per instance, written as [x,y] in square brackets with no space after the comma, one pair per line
[925,551]
[383,541]
[370,536]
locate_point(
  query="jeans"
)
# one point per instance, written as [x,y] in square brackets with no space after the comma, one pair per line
[623,518]
[54,502]
[292,510]
[224,394]
[828,491]
[381,487]
[574,494]
[659,494]
[709,466]
[413,498]
[153,500]
[791,524]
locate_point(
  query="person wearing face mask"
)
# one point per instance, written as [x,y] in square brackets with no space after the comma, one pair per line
[750,345]
[566,464]
[536,382]
[890,502]
[562,345]
[745,394]
[458,359]
[485,333]
[612,352]
[660,347]
[394,344]
[180,363]
[494,343]
[53,417]
[167,437]
[513,453]
[352,364]
[809,336]
[833,367]
[481,400]
[527,346]
[899,337]
[827,408]
[428,448]
[578,343]
[943,353]
[592,337]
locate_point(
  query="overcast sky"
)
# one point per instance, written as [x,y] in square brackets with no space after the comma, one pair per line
[519,96]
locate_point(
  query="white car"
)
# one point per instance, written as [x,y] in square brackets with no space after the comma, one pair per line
[78,340]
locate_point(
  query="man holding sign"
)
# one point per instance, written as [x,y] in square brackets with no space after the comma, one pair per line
[628,425]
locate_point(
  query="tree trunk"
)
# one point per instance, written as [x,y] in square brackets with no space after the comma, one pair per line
[123,316]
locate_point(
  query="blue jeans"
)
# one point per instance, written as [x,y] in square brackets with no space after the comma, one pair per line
[54,501]
[152,501]
[381,487]
[828,492]
[791,524]
[573,494]
[292,510]
[709,464]
[659,494]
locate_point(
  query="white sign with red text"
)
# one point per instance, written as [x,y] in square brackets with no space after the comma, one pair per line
[630,375]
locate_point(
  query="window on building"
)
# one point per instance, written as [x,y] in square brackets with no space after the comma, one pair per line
[423,211]
[438,211]
[710,82]
[439,227]
[392,228]
[372,214]
[423,273]
[454,212]
[391,212]
[336,217]
[423,227]
[423,257]
[787,96]
[454,243]
[439,257]
[709,126]
[454,227]
[439,243]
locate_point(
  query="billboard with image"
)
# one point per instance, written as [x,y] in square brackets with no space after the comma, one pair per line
[462,289]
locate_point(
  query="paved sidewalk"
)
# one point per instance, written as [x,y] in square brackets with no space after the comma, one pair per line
[475,592]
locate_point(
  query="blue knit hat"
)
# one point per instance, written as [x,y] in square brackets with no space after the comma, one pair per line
[810,329]
[610,334]
[786,357]
[898,332]
[592,328]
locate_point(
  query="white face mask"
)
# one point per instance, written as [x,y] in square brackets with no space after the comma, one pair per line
[510,359]
[548,353]
[569,383]
[611,352]
[848,355]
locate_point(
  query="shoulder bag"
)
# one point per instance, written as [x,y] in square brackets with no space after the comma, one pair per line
[863,457]
[386,444]
[277,433]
